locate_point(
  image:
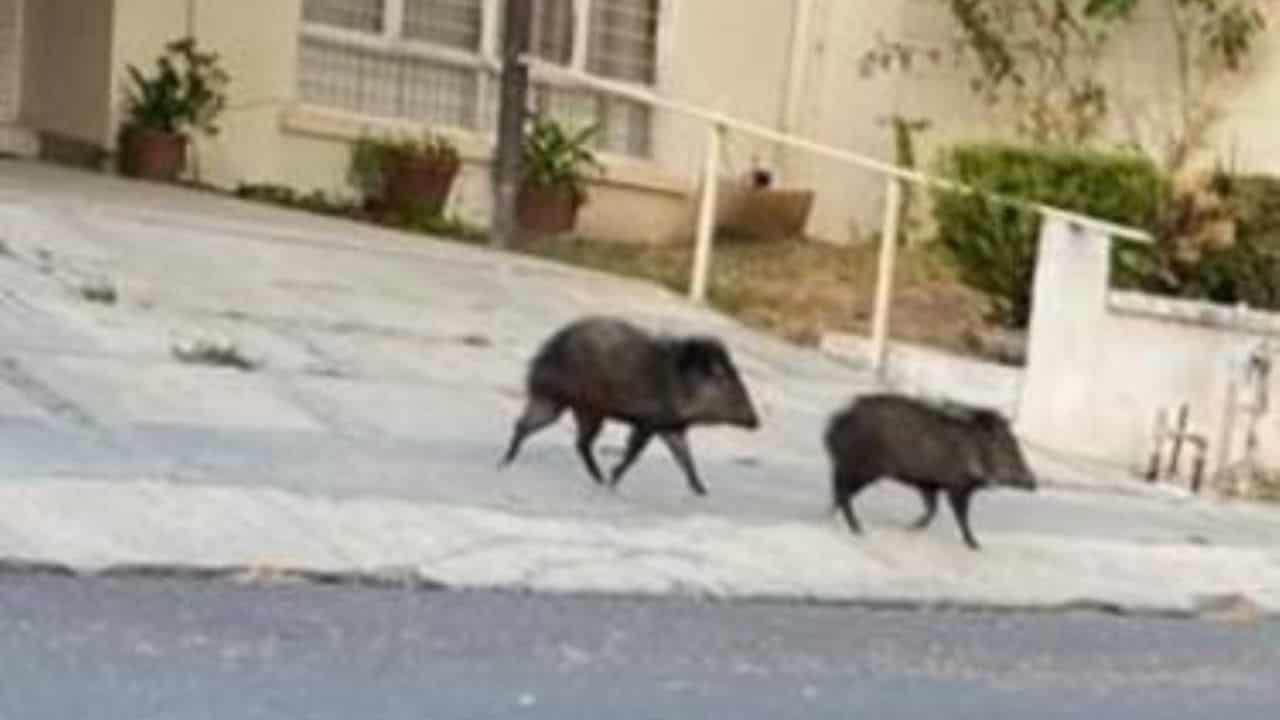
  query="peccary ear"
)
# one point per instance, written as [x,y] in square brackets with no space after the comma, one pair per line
[699,355]
[988,419]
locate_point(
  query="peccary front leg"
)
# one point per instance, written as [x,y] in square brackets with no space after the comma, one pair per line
[588,430]
[538,413]
[636,442]
[959,499]
[930,497]
[679,448]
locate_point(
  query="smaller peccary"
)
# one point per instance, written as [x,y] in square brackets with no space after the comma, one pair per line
[952,448]
[606,368]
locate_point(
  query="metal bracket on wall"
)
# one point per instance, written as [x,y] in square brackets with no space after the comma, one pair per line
[1175,435]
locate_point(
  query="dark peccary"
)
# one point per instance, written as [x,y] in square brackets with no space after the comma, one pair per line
[935,448]
[605,368]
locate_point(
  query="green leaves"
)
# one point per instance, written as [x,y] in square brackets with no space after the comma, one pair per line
[555,156]
[993,246]
[1109,9]
[187,91]
[1229,30]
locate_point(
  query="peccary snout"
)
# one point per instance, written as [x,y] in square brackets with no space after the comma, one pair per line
[606,368]
[949,448]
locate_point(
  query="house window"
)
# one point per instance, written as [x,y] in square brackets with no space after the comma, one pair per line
[436,61]
[451,23]
[363,15]
[622,43]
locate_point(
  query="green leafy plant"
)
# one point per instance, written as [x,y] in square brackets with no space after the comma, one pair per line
[993,246]
[555,156]
[187,92]
[316,201]
[371,158]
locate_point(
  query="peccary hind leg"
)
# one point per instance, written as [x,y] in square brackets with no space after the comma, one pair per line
[845,504]
[959,499]
[636,442]
[588,430]
[538,414]
[679,448]
[845,486]
[930,497]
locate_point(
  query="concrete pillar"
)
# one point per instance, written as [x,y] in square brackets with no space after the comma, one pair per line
[1069,302]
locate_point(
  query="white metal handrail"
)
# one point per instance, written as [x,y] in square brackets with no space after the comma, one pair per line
[719,123]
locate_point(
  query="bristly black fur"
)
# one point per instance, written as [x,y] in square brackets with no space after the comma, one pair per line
[604,368]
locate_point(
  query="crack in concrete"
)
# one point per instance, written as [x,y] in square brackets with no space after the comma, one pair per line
[343,327]
[43,395]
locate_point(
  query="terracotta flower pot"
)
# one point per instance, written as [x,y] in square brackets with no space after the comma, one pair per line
[547,209]
[152,154]
[415,184]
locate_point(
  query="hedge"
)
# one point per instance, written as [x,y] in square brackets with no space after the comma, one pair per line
[992,246]
[1248,271]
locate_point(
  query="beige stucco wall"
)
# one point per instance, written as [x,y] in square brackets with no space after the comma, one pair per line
[736,58]
[1247,137]
[67,84]
[718,56]
[1138,69]
[841,109]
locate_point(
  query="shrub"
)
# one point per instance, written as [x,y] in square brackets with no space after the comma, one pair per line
[993,245]
[554,156]
[316,201]
[1248,271]
[187,91]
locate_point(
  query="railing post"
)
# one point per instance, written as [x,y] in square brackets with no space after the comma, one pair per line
[706,214]
[884,275]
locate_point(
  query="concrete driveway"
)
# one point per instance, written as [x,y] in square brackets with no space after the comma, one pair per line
[390,372]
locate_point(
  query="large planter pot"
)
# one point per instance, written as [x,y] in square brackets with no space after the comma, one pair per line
[152,154]
[548,209]
[419,185]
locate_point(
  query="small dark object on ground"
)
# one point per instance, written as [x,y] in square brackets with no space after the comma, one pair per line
[605,368]
[44,261]
[474,340]
[99,292]
[949,448]
[217,353]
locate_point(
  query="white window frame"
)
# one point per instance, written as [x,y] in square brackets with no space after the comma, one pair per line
[390,40]
[581,38]
[487,60]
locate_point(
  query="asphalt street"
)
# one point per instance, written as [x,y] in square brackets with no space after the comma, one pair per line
[190,649]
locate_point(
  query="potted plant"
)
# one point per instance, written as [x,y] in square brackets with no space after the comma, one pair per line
[556,166]
[186,93]
[407,177]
